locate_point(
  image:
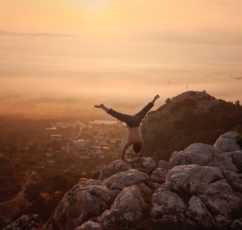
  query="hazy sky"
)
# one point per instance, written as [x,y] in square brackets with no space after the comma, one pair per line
[120,49]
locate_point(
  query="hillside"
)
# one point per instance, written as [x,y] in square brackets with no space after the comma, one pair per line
[185,119]
[198,188]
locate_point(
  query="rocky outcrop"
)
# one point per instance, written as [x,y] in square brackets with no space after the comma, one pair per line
[227,142]
[188,118]
[193,179]
[31,221]
[82,202]
[198,188]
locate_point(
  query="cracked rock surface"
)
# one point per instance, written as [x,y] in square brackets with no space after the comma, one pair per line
[198,188]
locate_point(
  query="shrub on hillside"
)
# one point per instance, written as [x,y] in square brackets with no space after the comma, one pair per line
[186,103]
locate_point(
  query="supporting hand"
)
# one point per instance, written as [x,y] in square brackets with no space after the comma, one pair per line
[124,150]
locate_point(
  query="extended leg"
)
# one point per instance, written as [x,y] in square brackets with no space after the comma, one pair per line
[141,114]
[120,116]
[147,108]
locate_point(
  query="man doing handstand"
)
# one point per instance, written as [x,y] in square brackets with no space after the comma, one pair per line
[133,123]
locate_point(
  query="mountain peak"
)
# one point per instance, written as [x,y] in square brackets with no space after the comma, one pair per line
[190,117]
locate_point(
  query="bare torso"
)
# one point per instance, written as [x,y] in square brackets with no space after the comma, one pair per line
[134,135]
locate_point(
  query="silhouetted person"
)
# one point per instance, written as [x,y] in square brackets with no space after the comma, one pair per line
[133,123]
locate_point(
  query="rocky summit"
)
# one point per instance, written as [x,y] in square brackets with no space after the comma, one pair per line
[188,118]
[199,187]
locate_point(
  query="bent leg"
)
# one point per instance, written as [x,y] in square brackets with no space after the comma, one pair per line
[145,110]
[120,116]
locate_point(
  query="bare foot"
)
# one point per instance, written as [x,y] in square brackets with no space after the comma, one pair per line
[98,106]
[157,96]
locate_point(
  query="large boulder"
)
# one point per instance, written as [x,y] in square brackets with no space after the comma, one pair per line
[127,209]
[191,117]
[234,179]
[198,212]
[227,142]
[220,199]
[82,202]
[237,160]
[197,153]
[204,154]
[224,161]
[159,174]
[193,179]
[167,207]
[143,164]
[127,178]
[112,168]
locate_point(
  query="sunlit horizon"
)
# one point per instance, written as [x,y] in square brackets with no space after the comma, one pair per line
[117,52]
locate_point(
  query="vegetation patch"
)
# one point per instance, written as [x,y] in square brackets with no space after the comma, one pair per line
[186,103]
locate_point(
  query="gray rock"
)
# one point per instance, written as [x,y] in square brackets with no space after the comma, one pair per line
[159,174]
[224,161]
[131,205]
[112,168]
[126,178]
[193,179]
[220,199]
[236,225]
[237,160]
[222,222]
[227,142]
[234,179]
[167,207]
[126,211]
[143,164]
[89,225]
[197,153]
[30,221]
[198,212]
[199,187]
[109,219]
[79,204]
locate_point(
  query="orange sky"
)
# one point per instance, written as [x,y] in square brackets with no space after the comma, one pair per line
[119,49]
